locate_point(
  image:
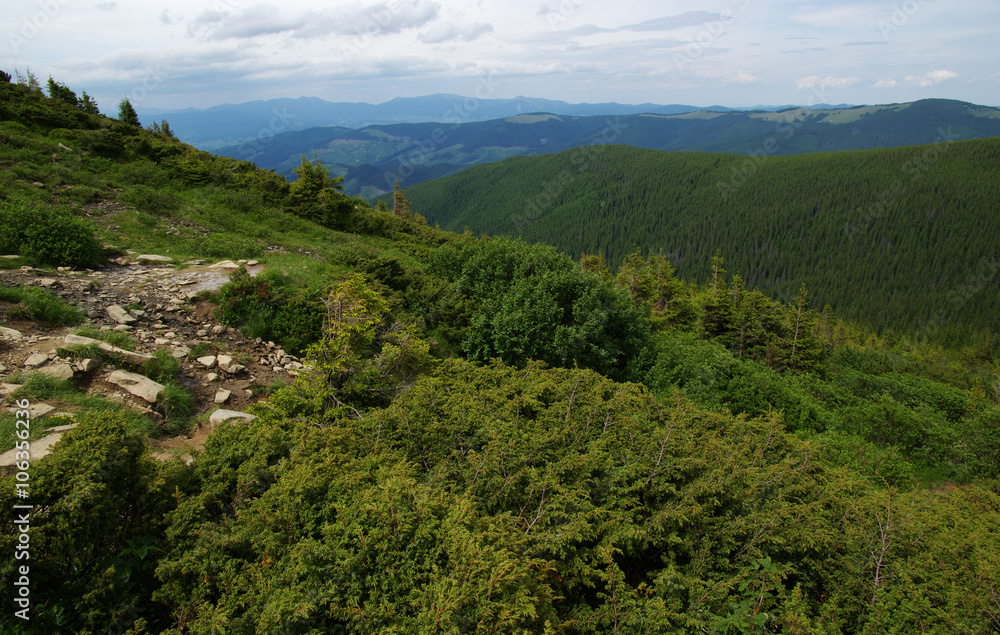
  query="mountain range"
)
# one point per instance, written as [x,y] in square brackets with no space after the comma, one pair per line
[371,159]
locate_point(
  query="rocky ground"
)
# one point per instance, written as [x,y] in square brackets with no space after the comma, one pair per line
[159,305]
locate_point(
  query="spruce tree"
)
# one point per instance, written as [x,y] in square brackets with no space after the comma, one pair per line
[126,113]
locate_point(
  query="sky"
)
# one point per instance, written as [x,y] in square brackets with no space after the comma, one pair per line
[736,53]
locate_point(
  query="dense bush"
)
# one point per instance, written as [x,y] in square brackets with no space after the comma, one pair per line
[49,236]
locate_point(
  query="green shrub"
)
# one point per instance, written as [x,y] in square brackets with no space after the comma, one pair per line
[48,236]
[149,199]
[40,305]
[232,246]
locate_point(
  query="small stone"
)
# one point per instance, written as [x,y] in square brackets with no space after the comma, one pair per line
[47,282]
[137,314]
[3,369]
[202,333]
[225,361]
[218,329]
[123,328]
[161,341]
[212,377]
[181,352]
[170,335]
[223,396]
[89,365]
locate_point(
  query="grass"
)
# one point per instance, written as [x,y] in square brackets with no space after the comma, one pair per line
[117,339]
[64,396]
[39,305]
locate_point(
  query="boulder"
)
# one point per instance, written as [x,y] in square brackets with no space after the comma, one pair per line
[220,416]
[140,386]
[120,315]
[35,410]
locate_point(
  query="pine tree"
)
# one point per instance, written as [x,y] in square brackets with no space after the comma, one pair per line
[127,114]
[88,104]
[400,206]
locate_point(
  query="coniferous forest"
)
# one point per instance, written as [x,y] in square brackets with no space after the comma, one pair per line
[613,434]
[900,237]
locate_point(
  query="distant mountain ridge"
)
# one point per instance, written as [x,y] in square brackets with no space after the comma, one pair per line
[373,158]
[230,124]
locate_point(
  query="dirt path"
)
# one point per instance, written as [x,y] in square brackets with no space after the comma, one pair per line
[159,307]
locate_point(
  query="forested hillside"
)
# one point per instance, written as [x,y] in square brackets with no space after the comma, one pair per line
[488,436]
[900,238]
[373,158]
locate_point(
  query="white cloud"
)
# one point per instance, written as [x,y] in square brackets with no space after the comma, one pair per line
[886,83]
[671,23]
[445,31]
[815,81]
[842,15]
[931,78]
[356,19]
[743,78]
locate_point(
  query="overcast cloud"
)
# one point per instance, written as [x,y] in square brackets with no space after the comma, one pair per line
[727,52]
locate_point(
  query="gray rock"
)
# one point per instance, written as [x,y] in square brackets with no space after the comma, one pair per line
[212,377]
[36,410]
[60,372]
[120,315]
[224,361]
[152,258]
[220,416]
[181,352]
[140,386]
[136,359]
[208,361]
[89,365]
[222,396]
[36,360]
[10,334]
[226,265]
[38,448]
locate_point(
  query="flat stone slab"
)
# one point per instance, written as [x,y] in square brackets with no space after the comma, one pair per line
[153,258]
[10,334]
[139,385]
[35,410]
[36,360]
[37,448]
[221,416]
[222,396]
[225,264]
[61,372]
[136,359]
